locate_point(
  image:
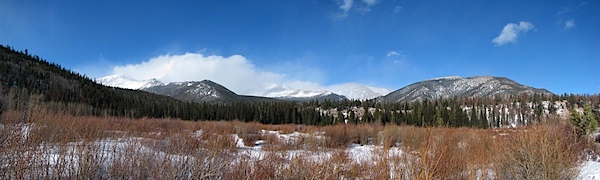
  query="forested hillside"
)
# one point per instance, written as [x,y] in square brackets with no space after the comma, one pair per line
[24,75]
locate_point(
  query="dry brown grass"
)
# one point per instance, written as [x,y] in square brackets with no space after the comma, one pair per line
[341,135]
[391,136]
[539,152]
[44,144]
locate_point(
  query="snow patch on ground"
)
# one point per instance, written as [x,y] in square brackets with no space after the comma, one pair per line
[589,170]
[109,151]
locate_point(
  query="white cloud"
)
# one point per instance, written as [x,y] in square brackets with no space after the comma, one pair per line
[371,2]
[306,85]
[511,32]
[234,72]
[345,6]
[396,56]
[570,24]
[392,53]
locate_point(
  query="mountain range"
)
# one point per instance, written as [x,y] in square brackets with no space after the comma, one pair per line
[444,87]
[336,92]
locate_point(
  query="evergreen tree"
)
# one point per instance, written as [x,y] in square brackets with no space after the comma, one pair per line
[367,116]
[588,116]
[340,117]
[578,123]
[584,124]
[351,118]
[439,121]
[474,120]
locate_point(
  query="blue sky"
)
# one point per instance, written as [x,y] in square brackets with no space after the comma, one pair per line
[384,43]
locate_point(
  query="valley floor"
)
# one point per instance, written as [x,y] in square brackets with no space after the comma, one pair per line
[59,146]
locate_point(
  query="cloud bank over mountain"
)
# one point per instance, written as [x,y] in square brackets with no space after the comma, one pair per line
[235,72]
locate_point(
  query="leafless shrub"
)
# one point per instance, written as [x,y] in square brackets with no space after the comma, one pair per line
[44,144]
[539,152]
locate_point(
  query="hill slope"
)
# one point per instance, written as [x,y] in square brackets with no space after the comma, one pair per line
[24,75]
[447,87]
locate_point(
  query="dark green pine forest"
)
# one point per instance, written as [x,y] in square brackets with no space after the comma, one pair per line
[27,79]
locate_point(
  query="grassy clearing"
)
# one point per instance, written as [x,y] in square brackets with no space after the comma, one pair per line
[48,145]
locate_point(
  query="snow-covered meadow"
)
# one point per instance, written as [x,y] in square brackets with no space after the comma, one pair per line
[60,146]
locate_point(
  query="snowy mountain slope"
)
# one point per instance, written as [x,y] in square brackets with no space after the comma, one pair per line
[446,78]
[273,91]
[358,91]
[190,91]
[286,93]
[202,91]
[196,91]
[126,82]
[447,87]
[348,90]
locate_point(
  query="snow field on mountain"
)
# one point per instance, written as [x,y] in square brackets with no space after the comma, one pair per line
[126,82]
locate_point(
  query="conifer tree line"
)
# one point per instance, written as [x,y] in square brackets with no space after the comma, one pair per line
[29,79]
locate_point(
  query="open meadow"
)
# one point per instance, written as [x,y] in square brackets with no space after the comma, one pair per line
[48,145]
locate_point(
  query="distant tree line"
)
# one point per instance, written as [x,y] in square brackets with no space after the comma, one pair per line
[29,79]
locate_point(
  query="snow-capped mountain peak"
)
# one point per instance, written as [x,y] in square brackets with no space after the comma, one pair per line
[127,82]
[280,91]
[359,91]
[475,86]
[349,90]
[446,77]
[274,90]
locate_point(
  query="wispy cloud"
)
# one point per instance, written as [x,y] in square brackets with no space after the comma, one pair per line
[371,2]
[398,9]
[562,11]
[392,53]
[345,6]
[396,56]
[570,24]
[367,6]
[511,32]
